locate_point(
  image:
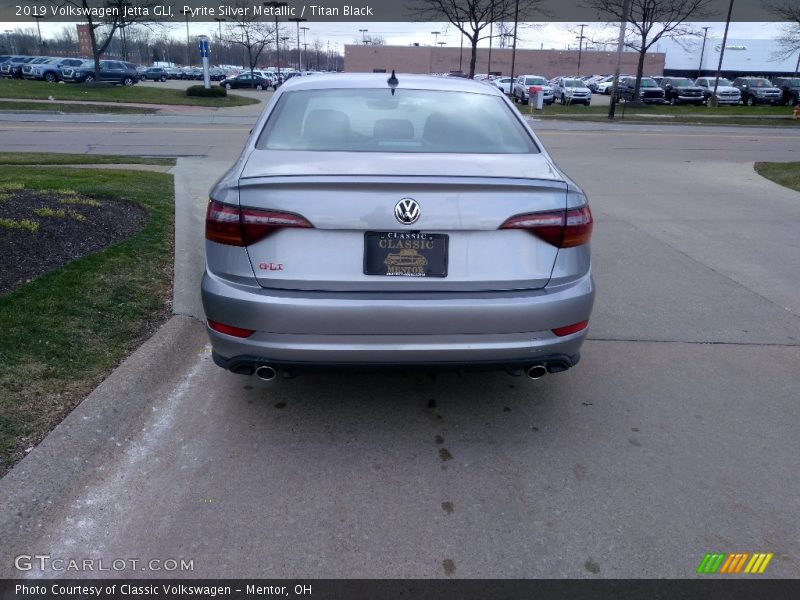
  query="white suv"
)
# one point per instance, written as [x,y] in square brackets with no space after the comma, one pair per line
[523,84]
[571,90]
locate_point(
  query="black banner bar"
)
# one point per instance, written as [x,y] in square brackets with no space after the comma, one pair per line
[734,588]
[335,11]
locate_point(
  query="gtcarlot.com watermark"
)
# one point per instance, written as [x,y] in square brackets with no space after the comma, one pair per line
[45,562]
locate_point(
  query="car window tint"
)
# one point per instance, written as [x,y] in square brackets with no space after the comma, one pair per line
[373,120]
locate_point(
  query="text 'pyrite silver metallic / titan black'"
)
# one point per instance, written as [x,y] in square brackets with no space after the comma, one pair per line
[407,211]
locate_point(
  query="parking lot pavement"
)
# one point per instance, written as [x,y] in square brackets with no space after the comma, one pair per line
[675,436]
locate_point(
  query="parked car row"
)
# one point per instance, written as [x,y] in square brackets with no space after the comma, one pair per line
[73,70]
[682,90]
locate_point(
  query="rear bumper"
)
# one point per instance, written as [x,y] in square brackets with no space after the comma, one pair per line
[500,329]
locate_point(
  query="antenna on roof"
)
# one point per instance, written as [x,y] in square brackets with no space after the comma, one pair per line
[393,82]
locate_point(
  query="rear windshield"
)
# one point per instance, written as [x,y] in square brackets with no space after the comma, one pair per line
[535,81]
[373,120]
[573,83]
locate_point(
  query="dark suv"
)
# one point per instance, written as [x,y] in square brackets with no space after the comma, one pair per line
[790,86]
[112,71]
[154,74]
[757,90]
[649,90]
[680,90]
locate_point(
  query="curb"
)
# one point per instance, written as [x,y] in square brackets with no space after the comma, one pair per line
[95,433]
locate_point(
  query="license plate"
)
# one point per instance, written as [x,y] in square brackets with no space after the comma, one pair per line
[405,254]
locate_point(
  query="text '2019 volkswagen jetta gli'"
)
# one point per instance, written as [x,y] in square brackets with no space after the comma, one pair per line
[414,221]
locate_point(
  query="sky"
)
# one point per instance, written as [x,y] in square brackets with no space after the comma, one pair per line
[543,35]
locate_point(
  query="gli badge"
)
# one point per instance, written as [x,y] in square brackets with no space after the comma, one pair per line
[407,211]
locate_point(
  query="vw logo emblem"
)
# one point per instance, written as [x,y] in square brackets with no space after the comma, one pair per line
[407,211]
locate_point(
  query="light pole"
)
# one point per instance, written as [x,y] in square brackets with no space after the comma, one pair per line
[514,45]
[461,52]
[39,29]
[580,49]
[297,20]
[436,38]
[275,5]
[285,51]
[305,47]
[186,13]
[713,99]
[11,47]
[363,36]
[219,21]
[491,24]
[702,52]
[623,24]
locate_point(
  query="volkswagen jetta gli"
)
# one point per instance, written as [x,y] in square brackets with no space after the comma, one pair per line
[414,221]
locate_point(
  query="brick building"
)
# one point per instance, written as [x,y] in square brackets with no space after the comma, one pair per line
[443,59]
[84,41]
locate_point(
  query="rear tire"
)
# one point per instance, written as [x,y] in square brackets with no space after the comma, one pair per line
[128,81]
[228,86]
[259,87]
[50,78]
[89,79]
[749,101]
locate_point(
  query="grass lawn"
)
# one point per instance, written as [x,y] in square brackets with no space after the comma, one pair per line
[785,174]
[53,158]
[39,90]
[75,108]
[66,330]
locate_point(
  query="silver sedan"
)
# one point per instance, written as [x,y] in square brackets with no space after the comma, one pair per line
[410,221]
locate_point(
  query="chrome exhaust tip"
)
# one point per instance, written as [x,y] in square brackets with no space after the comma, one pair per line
[537,371]
[266,373]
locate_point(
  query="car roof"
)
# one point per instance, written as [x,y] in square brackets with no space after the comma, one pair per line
[378,80]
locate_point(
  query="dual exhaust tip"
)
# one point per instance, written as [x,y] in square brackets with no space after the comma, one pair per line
[536,372]
[267,373]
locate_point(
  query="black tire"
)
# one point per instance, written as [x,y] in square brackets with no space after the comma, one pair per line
[673,101]
[228,86]
[89,79]
[128,81]
[750,101]
[259,87]
[50,77]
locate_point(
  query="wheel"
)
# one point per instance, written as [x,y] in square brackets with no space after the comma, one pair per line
[89,79]
[673,101]
[163,79]
[750,101]
[228,86]
[259,87]
[128,81]
[792,100]
[50,78]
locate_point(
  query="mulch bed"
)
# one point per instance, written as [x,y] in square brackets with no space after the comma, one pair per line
[67,226]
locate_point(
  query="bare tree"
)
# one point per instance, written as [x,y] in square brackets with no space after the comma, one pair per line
[250,34]
[649,21]
[105,17]
[370,40]
[470,17]
[789,38]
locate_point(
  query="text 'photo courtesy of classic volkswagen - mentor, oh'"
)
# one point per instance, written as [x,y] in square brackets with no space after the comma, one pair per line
[414,221]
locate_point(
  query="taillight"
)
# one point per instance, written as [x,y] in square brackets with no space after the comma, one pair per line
[233,226]
[561,228]
[230,329]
